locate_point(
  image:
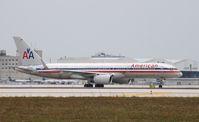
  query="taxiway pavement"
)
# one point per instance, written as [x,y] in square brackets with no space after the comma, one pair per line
[108,91]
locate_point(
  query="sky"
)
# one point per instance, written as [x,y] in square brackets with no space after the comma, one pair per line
[81,28]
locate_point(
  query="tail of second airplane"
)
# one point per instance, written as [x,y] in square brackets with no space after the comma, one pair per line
[27,56]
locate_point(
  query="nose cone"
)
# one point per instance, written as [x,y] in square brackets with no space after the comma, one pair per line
[180,74]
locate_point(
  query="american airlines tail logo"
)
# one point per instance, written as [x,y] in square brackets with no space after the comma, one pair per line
[28,54]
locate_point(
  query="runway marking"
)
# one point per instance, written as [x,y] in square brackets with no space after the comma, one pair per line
[145,94]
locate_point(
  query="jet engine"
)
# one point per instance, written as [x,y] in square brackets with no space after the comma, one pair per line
[103,79]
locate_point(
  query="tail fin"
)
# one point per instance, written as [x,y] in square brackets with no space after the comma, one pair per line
[27,56]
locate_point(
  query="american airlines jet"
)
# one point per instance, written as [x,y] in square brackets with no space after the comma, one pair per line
[95,73]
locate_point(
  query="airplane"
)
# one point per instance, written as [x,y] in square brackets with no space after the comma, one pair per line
[96,74]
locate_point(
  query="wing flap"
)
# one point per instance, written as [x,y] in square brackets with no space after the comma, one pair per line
[69,72]
[85,74]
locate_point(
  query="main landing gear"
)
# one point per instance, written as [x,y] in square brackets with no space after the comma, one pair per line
[88,85]
[161,82]
[96,85]
[99,85]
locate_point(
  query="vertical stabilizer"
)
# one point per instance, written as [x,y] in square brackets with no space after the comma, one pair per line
[27,56]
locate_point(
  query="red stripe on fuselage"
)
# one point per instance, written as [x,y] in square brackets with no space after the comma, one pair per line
[118,71]
[136,71]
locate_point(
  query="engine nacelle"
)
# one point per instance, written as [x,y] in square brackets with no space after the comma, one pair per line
[103,79]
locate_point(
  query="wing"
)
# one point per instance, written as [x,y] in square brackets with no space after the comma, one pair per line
[80,73]
[75,74]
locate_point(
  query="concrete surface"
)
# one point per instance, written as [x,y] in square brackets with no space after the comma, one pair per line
[79,91]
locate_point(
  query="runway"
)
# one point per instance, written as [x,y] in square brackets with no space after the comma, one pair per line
[108,91]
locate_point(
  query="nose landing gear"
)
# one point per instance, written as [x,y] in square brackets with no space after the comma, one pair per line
[160,86]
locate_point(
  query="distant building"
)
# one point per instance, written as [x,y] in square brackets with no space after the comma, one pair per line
[98,58]
[187,65]
[104,55]
[2,52]
[7,67]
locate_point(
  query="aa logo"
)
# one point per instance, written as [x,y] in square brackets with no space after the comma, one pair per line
[28,54]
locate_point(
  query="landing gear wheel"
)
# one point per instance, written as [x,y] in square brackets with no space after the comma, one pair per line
[88,85]
[160,86]
[99,85]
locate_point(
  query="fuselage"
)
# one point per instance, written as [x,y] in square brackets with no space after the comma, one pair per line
[98,73]
[118,70]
